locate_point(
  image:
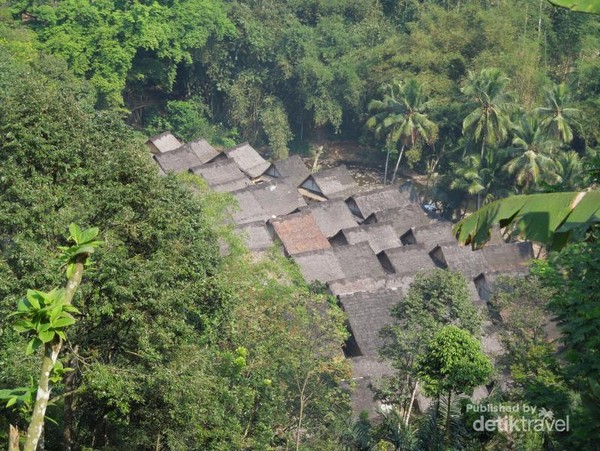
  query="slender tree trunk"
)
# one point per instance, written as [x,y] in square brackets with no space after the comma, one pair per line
[385,171]
[397,164]
[410,405]
[301,414]
[447,432]
[483,147]
[51,351]
[69,381]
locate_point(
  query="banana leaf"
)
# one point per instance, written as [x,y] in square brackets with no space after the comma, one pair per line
[583,6]
[552,218]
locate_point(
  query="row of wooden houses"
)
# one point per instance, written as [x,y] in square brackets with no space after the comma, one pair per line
[366,246]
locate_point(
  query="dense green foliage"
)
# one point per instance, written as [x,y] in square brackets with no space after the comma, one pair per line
[169,349]
[305,68]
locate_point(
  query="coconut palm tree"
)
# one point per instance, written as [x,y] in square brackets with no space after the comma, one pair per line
[570,170]
[480,178]
[533,154]
[556,117]
[402,119]
[489,122]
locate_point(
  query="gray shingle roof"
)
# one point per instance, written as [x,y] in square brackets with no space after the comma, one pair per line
[291,168]
[299,232]
[407,260]
[255,235]
[508,256]
[402,219]
[380,236]
[367,313]
[431,234]
[222,175]
[178,160]
[342,262]
[356,285]
[331,183]
[248,159]
[462,259]
[164,142]
[265,201]
[203,150]
[331,216]
[366,203]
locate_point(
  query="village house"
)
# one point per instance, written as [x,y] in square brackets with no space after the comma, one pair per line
[379,235]
[299,232]
[165,142]
[369,202]
[331,216]
[331,183]
[222,175]
[292,169]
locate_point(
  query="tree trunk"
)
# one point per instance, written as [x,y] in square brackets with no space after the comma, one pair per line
[69,381]
[447,432]
[478,201]
[51,351]
[397,164]
[410,405]
[385,171]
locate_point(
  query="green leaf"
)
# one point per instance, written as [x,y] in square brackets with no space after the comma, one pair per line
[33,345]
[71,270]
[71,309]
[12,401]
[548,218]
[584,6]
[33,297]
[46,335]
[89,234]
[63,322]
[22,306]
[75,231]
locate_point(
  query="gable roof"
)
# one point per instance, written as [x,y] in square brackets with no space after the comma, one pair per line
[299,232]
[349,286]
[401,219]
[366,203]
[431,234]
[291,168]
[407,260]
[222,175]
[367,313]
[255,235]
[508,257]
[331,216]
[202,149]
[265,201]
[462,259]
[162,143]
[331,183]
[178,160]
[380,236]
[248,159]
[351,261]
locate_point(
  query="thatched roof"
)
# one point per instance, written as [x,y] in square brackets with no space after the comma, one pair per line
[292,168]
[248,160]
[508,257]
[401,219]
[331,216]
[266,201]
[462,259]
[342,262]
[380,236]
[222,175]
[367,371]
[366,284]
[178,160]
[203,150]
[366,203]
[299,232]
[407,260]
[331,183]
[162,143]
[431,234]
[255,235]
[367,313]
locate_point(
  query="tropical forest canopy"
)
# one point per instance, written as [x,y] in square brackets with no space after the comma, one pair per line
[178,347]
